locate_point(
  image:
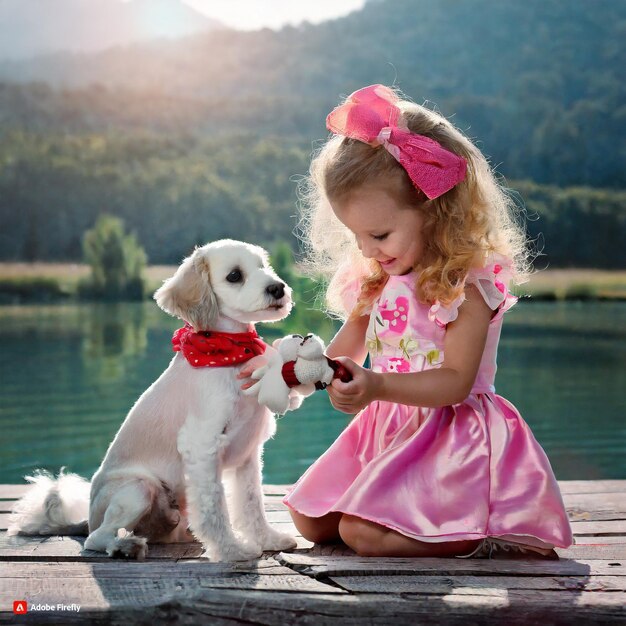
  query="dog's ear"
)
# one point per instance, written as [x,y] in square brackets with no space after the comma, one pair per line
[188,294]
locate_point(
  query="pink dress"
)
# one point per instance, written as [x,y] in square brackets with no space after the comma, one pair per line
[468,471]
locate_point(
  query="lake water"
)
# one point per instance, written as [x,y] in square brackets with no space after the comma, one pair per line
[70,373]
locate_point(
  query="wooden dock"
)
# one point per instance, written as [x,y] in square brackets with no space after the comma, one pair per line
[324,585]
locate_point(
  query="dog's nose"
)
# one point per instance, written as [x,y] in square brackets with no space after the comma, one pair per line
[276,290]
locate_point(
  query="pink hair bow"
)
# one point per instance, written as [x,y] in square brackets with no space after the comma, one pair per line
[371,115]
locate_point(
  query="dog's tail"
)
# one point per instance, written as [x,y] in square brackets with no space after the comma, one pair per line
[52,506]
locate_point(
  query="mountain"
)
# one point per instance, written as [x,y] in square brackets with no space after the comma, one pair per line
[38,27]
[192,139]
[539,84]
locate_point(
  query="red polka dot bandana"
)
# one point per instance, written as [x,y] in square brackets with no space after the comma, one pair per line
[214,349]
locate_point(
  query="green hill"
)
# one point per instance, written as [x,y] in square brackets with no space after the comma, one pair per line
[539,83]
[199,138]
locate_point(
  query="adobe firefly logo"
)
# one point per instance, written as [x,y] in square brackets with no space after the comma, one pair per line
[20,607]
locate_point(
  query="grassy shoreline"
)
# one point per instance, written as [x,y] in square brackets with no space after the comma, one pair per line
[32,282]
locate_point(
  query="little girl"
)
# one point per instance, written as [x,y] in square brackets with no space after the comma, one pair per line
[405,215]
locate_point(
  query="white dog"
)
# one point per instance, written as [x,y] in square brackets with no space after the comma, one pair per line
[163,471]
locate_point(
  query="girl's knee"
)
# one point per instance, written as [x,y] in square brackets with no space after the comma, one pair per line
[370,539]
[317,529]
[364,537]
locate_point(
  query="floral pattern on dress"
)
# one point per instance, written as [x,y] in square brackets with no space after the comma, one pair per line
[391,339]
[396,315]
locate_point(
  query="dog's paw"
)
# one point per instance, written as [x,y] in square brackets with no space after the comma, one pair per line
[275,541]
[235,552]
[128,546]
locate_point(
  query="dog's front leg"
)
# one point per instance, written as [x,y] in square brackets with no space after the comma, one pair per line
[201,451]
[249,513]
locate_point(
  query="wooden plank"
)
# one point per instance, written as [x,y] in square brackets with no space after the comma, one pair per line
[302,543]
[589,584]
[447,584]
[271,506]
[280,517]
[457,608]
[281,522]
[595,548]
[609,495]
[20,548]
[281,490]
[586,515]
[592,486]
[580,506]
[568,487]
[277,505]
[610,552]
[159,603]
[34,548]
[217,606]
[331,550]
[71,548]
[359,566]
[586,540]
[274,499]
[106,592]
[279,512]
[577,512]
[12,492]
[606,528]
[117,568]
[111,585]
[612,531]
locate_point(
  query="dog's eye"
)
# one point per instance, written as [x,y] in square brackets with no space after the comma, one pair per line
[235,276]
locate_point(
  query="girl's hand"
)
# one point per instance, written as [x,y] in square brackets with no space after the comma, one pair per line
[247,370]
[358,393]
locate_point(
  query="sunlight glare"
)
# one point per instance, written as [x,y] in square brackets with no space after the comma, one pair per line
[252,14]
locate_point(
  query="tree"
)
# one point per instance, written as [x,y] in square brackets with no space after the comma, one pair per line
[117,261]
[282,262]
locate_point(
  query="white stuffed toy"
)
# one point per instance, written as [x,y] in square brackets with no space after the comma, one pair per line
[295,369]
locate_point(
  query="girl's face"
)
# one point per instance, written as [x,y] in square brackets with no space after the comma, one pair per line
[385,229]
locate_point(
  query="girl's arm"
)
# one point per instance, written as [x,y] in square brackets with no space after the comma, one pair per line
[449,384]
[350,340]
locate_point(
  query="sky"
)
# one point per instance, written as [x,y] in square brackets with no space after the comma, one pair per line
[29,28]
[255,14]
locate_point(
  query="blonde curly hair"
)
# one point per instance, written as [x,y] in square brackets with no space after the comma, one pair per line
[462,227]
